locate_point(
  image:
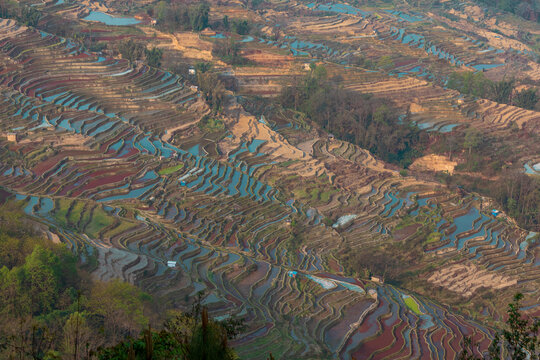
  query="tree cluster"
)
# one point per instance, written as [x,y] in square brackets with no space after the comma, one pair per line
[517,193]
[228,50]
[519,340]
[153,56]
[50,308]
[133,51]
[27,15]
[188,336]
[212,88]
[476,84]
[180,17]
[358,118]
[241,27]
[527,9]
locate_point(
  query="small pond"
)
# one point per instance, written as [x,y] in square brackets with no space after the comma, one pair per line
[110,20]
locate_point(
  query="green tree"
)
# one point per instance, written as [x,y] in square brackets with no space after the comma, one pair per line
[203,67]
[121,306]
[213,89]
[199,17]
[41,280]
[469,83]
[161,11]
[501,91]
[229,52]
[209,341]
[519,341]
[241,27]
[526,99]
[130,50]
[320,73]
[6,9]
[382,114]
[35,286]
[30,16]
[77,334]
[473,139]
[153,56]
[187,336]
[17,240]
[357,118]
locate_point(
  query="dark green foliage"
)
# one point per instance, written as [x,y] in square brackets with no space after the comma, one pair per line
[29,16]
[368,122]
[203,67]
[179,17]
[501,91]
[17,239]
[392,261]
[211,124]
[527,9]
[520,339]
[6,9]
[160,345]
[256,4]
[526,99]
[229,52]
[44,296]
[188,336]
[476,84]
[469,83]
[212,88]
[198,16]
[131,50]
[153,56]
[520,196]
[241,27]
[209,342]
[34,272]
[473,139]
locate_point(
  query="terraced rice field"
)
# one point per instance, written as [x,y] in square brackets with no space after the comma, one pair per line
[110,156]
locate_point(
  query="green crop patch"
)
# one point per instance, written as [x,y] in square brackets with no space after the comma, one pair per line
[412,304]
[433,237]
[100,220]
[170,170]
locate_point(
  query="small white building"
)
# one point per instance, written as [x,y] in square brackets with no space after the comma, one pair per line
[192,71]
[171,263]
